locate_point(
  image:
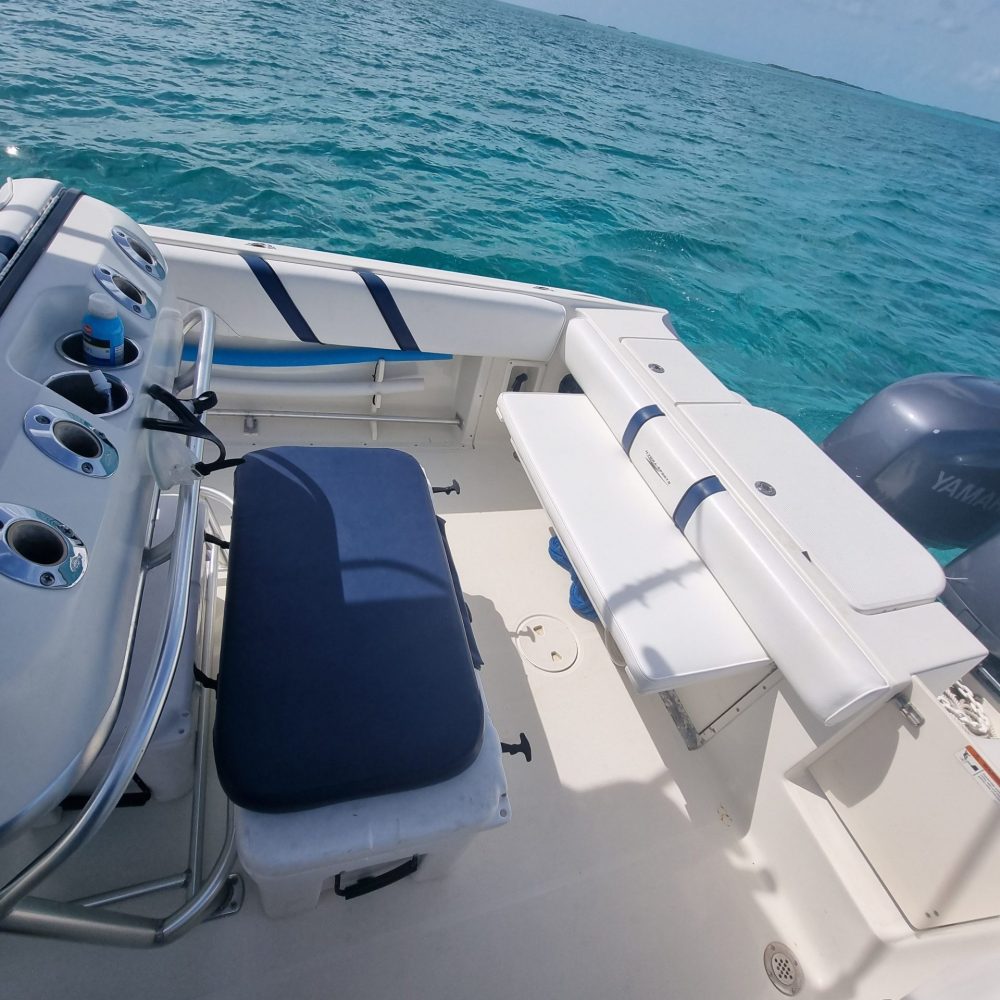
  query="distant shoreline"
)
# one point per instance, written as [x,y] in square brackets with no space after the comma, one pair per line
[936,108]
[829,79]
[854,86]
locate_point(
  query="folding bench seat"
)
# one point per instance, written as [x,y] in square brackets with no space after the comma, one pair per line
[710,534]
[669,617]
[351,730]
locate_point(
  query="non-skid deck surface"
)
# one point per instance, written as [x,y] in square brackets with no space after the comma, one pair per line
[623,872]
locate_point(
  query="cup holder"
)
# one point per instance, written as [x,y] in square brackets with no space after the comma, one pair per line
[71,441]
[70,347]
[38,550]
[78,388]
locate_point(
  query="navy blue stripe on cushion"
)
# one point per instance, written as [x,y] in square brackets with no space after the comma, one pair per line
[390,311]
[7,246]
[694,495]
[278,295]
[635,424]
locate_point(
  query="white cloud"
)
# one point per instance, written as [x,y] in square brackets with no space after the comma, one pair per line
[982,76]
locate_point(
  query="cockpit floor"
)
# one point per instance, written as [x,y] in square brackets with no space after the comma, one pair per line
[627,869]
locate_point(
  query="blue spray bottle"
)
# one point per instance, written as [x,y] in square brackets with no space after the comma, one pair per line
[103,333]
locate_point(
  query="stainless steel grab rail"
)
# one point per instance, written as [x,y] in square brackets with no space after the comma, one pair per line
[73,920]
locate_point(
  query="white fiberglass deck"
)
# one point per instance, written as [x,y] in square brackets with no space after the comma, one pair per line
[632,867]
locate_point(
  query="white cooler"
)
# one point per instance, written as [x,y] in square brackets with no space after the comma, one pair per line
[293,857]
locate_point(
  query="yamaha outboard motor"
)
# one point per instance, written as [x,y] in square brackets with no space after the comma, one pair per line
[973,593]
[927,449]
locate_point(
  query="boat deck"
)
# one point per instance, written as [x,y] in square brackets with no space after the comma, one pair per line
[631,867]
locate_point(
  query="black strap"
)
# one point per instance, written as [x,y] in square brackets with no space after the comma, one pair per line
[130,800]
[212,683]
[372,882]
[216,540]
[188,424]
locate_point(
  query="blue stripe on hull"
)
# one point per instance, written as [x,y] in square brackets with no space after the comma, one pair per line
[390,311]
[279,296]
[308,357]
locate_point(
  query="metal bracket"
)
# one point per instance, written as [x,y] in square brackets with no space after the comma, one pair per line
[687,729]
[523,746]
[694,737]
[741,705]
[230,898]
[906,709]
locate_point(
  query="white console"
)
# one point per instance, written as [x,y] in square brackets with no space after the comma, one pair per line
[76,490]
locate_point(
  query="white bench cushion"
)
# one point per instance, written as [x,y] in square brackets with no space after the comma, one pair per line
[838,594]
[868,559]
[672,622]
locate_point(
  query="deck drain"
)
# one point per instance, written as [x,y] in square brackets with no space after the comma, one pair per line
[547,643]
[783,968]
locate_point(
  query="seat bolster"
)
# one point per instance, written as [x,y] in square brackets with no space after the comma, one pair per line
[614,392]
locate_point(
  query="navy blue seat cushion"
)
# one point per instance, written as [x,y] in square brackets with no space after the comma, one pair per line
[346,670]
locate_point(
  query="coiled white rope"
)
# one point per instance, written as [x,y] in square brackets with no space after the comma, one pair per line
[963,704]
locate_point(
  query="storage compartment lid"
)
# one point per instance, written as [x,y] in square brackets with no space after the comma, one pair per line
[678,373]
[870,560]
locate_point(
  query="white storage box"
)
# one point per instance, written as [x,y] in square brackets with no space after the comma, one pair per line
[292,857]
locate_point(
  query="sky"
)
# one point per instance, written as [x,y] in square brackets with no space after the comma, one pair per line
[940,52]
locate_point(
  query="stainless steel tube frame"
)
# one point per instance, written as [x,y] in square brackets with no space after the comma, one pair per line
[382,418]
[71,920]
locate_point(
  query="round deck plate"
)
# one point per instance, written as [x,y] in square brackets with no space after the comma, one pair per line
[547,643]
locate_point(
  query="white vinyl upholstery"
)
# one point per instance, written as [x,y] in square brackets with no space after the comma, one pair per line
[817,505]
[672,622]
[29,197]
[615,392]
[812,646]
[839,595]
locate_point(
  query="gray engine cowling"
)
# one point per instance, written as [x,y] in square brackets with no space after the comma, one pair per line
[928,450]
[973,592]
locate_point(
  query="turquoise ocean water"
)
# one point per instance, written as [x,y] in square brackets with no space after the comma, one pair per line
[812,241]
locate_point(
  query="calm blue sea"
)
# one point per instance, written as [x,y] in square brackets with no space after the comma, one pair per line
[813,242]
